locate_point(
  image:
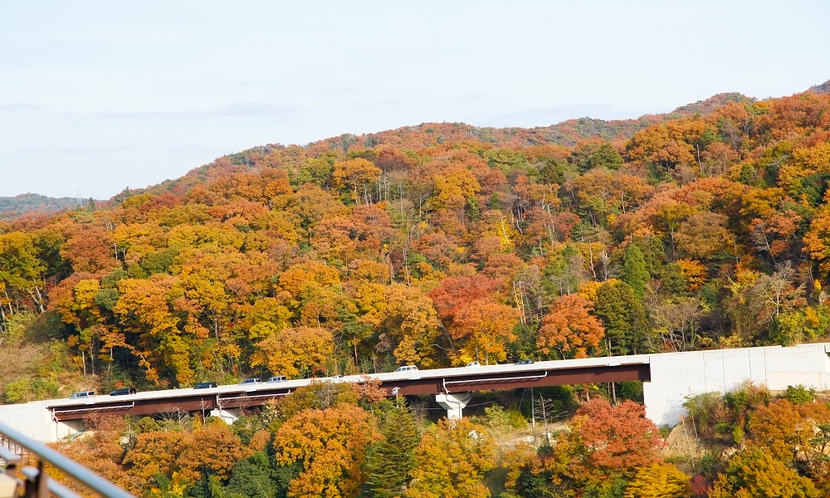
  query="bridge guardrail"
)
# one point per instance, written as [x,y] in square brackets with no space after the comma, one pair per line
[34,482]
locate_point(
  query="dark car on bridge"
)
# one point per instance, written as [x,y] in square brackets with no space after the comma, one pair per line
[205,385]
[123,391]
[524,361]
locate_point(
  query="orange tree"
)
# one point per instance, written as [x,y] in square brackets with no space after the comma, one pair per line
[602,450]
[569,328]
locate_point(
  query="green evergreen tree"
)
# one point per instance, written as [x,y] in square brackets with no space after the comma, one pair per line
[623,316]
[283,476]
[654,253]
[390,461]
[635,272]
[589,156]
[672,282]
[252,477]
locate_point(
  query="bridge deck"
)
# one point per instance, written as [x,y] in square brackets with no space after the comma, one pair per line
[435,381]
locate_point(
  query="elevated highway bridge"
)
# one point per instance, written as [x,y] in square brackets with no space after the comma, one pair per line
[668,379]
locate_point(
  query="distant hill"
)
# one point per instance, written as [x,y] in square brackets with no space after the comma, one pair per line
[822,88]
[705,107]
[13,207]
[567,134]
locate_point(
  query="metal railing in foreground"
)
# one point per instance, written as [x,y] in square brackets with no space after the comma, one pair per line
[33,482]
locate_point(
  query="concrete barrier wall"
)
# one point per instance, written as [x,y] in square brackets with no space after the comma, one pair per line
[35,420]
[677,376]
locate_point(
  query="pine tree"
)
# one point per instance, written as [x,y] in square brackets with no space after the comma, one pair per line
[390,460]
[634,270]
[252,477]
[623,316]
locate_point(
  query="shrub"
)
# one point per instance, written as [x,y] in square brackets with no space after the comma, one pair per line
[17,391]
[725,416]
[496,416]
[800,394]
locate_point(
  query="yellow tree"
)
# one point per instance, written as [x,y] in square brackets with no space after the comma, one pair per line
[358,175]
[20,268]
[220,289]
[294,351]
[211,235]
[755,472]
[137,240]
[451,461]
[144,310]
[412,324]
[203,276]
[308,206]
[318,395]
[75,300]
[453,186]
[486,327]
[330,445]
[153,454]
[658,480]
[264,317]
[310,290]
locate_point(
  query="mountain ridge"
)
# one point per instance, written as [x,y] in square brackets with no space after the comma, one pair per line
[566,133]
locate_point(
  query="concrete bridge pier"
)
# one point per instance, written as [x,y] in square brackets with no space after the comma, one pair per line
[68,428]
[228,415]
[454,403]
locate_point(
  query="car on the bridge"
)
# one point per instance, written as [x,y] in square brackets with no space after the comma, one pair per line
[205,385]
[406,368]
[124,391]
[473,364]
[524,361]
[277,378]
[82,394]
[252,380]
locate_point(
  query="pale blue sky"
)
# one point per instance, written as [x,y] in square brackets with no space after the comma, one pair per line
[96,96]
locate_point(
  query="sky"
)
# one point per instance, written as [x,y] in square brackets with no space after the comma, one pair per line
[99,96]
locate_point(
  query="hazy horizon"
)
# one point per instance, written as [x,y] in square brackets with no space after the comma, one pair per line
[97,97]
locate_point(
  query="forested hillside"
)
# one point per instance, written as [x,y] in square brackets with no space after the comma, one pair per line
[14,207]
[435,245]
[438,245]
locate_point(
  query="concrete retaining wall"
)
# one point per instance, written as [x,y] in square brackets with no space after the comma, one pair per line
[35,420]
[675,377]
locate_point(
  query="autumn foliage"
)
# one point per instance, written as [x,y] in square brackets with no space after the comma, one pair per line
[570,329]
[442,244]
[436,245]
